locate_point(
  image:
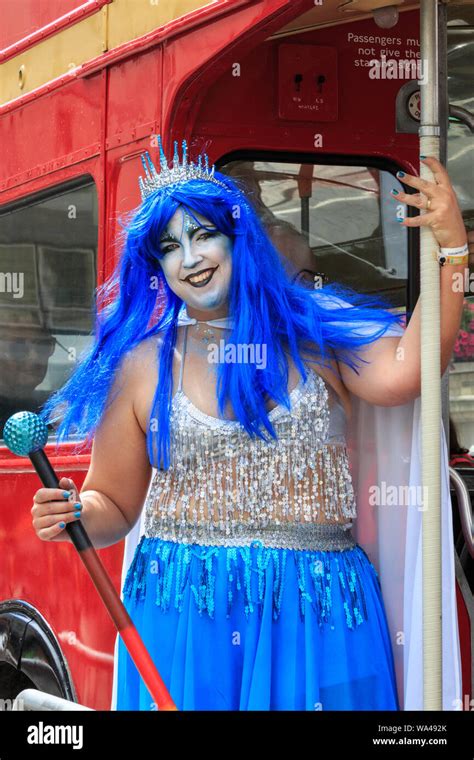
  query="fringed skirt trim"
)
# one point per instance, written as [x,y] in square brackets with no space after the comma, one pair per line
[258,628]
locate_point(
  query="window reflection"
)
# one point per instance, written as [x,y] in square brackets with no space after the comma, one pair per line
[338,221]
[460,168]
[48,274]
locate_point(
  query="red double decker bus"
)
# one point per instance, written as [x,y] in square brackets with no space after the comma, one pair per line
[278,94]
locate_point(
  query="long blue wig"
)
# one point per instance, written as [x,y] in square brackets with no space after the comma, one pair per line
[266,306]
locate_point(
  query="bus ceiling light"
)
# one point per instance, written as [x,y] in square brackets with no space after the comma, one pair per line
[25,432]
[386,17]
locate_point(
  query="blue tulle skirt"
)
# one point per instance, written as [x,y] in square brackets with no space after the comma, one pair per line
[258,628]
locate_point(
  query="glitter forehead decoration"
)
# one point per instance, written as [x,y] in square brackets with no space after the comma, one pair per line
[179,172]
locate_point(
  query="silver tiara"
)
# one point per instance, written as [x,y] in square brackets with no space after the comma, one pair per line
[179,172]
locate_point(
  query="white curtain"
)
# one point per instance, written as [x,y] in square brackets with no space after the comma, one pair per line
[384,446]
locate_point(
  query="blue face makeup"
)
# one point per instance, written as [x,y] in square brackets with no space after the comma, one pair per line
[196,259]
[192,230]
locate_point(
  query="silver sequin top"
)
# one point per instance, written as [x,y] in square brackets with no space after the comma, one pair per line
[225,488]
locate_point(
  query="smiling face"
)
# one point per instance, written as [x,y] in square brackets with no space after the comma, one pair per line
[197,264]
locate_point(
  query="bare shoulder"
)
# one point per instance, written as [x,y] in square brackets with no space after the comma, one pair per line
[139,375]
[145,353]
[140,370]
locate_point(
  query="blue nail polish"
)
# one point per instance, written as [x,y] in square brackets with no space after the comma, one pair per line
[78,506]
[66,494]
[395,192]
[422,156]
[400,220]
[62,525]
[400,174]
[77,514]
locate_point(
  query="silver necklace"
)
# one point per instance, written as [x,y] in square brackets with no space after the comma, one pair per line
[209,335]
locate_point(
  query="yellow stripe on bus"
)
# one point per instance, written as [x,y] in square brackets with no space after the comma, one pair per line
[113,25]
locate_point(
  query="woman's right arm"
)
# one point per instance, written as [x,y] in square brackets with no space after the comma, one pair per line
[117,481]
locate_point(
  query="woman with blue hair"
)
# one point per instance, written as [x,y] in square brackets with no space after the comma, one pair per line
[216,395]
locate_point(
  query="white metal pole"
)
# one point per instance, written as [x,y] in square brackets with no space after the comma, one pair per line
[430,374]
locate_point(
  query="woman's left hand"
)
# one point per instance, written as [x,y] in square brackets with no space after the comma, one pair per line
[443,214]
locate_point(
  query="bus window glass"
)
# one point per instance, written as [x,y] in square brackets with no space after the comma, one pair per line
[461,170]
[333,223]
[48,274]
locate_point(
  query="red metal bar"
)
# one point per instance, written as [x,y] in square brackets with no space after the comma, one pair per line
[69,19]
